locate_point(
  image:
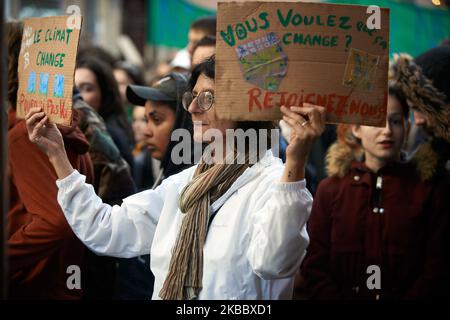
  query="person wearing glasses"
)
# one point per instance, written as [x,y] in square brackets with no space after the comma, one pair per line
[217,230]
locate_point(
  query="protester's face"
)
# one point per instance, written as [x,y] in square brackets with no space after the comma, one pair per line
[201,53]
[86,82]
[383,145]
[139,123]
[194,36]
[160,121]
[204,120]
[123,80]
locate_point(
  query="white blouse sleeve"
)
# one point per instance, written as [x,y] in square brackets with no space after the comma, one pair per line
[121,231]
[278,236]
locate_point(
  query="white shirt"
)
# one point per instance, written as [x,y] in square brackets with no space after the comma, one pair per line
[254,245]
[182,59]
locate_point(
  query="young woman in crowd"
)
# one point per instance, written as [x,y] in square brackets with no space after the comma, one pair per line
[125,74]
[98,87]
[377,230]
[163,113]
[143,172]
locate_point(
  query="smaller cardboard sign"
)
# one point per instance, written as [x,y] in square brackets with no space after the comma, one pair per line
[286,53]
[46,67]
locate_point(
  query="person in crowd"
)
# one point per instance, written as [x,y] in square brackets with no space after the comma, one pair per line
[101,109]
[154,128]
[113,178]
[143,173]
[377,229]
[43,252]
[203,49]
[425,82]
[125,74]
[112,182]
[199,28]
[222,229]
[163,114]
[98,88]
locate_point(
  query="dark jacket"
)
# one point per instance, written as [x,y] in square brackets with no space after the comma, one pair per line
[143,168]
[113,180]
[41,244]
[349,232]
[121,139]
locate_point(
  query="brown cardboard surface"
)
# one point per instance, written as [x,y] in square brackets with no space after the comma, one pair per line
[46,68]
[336,61]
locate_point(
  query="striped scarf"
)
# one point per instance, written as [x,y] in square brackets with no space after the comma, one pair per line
[210,182]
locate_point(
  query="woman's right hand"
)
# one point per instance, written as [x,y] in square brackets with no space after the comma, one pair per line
[47,137]
[44,134]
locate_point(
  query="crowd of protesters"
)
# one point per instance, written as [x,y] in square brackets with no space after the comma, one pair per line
[105,193]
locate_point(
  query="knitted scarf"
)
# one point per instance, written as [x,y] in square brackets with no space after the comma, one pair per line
[210,182]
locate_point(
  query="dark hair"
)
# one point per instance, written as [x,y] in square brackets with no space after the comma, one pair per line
[206,41]
[14,32]
[435,64]
[207,68]
[182,120]
[110,103]
[397,93]
[132,71]
[206,25]
[86,52]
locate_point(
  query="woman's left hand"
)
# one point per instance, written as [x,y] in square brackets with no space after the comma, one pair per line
[307,123]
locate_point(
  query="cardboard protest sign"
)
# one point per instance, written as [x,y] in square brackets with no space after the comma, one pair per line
[46,67]
[286,53]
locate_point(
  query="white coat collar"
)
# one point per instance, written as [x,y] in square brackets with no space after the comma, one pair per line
[248,175]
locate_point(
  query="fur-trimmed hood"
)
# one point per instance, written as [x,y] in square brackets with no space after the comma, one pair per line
[409,78]
[339,158]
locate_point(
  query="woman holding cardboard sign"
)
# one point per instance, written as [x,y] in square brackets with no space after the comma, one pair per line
[216,230]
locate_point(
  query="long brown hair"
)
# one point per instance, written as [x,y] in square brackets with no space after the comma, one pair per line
[111,103]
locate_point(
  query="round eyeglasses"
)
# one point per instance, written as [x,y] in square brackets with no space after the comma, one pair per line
[205,100]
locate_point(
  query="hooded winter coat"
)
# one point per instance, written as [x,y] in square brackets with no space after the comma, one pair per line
[376,235]
[425,83]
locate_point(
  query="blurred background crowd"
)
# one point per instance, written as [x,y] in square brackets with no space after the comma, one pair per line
[140,42]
